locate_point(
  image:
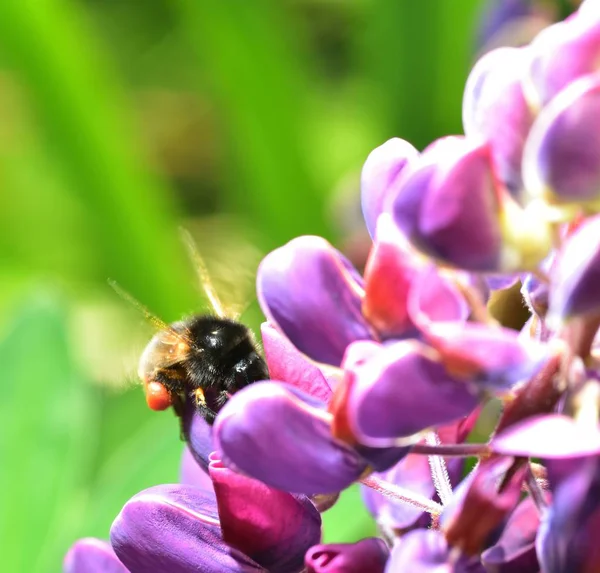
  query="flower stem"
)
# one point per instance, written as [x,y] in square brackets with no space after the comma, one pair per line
[439,471]
[535,491]
[452,450]
[402,495]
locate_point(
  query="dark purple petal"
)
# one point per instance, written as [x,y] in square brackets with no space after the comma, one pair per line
[281,436]
[91,555]
[286,363]
[312,293]
[198,434]
[175,529]
[576,275]
[366,556]
[272,527]
[514,552]
[562,156]
[401,390]
[494,109]
[380,175]
[482,502]
[550,436]
[426,551]
[192,473]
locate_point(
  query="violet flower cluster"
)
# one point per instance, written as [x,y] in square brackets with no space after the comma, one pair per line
[381,379]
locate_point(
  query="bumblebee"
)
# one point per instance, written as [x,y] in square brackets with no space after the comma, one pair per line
[204,358]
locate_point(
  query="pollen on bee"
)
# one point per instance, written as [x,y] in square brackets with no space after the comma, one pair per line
[158,397]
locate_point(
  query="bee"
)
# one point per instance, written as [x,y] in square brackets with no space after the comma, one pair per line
[205,358]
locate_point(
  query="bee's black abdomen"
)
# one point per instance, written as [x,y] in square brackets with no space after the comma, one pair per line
[223,360]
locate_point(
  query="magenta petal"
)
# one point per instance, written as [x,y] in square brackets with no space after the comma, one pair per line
[282,437]
[91,555]
[400,391]
[436,298]
[390,271]
[551,436]
[174,529]
[380,175]
[368,555]
[313,294]
[272,527]
[286,363]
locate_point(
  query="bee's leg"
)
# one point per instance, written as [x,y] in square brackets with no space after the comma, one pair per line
[201,406]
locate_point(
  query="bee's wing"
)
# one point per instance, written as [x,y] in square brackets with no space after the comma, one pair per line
[232,261]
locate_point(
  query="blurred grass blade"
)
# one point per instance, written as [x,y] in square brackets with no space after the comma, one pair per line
[46,441]
[243,49]
[83,113]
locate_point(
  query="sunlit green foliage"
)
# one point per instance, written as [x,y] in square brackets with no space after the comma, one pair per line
[121,121]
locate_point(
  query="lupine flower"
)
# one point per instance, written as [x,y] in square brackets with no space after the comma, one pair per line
[379,379]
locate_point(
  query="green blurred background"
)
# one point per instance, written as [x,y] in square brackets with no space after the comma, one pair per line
[245,121]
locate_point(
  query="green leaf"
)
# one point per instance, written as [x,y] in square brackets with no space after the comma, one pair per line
[47,415]
[348,520]
[83,114]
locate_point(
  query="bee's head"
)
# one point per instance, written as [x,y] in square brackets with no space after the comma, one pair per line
[166,349]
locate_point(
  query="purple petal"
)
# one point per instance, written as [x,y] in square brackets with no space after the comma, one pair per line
[501,19]
[568,535]
[174,529]
[550,436]
[368,555]
[576,275]
[272,527]
[562,155]
[412,473]
[312,293]
[91,555]
[494,109]
[491,356]
[400,391]
[286,363]
[562,53]
[380,175]
[426,551]
[192,473]
[448,206]
[514,552]
[281,436]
